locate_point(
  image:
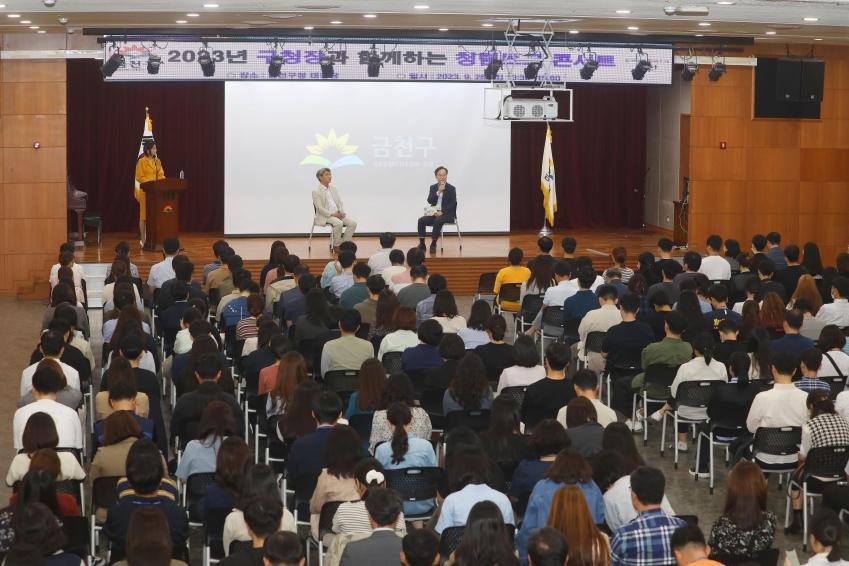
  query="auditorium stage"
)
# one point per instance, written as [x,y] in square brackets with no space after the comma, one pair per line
[461,267]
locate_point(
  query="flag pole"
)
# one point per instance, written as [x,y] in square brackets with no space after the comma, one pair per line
[545,230]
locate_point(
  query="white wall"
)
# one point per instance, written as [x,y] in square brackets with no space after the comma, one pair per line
[664,106]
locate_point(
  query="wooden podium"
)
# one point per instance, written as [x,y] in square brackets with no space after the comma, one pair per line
[163,210]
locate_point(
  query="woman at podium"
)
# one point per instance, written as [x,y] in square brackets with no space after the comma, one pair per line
[148,168]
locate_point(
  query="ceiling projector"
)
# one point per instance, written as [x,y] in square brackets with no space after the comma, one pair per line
[686,11]
[529,108]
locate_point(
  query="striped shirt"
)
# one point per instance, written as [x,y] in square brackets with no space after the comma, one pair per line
[167,489]
[811,384]
[352,517]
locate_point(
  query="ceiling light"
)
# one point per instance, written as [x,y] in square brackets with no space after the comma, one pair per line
[725,3]
[181,22]
[369,15]
[633,28]
[700,35]
[308,28]
[335,22]
[326,63]
[573,31]
[689,71]
[421,7]
[26,22]
[590,67]
[35,27]
[817,39]
[210,5]
[375,62]
[13,15]
[770,33]
[716,71]
[811,19]
[41,31]
[112,64]
[2,5]
[207,65]
[443,29]
[192,15]
[153,63]
[487,25]
[275,63]
[704,24]
[623,11]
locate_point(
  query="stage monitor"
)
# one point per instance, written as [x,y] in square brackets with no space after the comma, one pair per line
[382,141]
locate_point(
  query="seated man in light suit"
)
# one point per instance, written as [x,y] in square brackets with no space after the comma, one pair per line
[443,197]
[329,210]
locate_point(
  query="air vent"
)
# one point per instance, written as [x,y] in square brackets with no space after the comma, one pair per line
[318,7]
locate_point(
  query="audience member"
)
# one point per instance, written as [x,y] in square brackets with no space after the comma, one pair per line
[351,517]
[380,259]
[497,355]
[164,270]
[526,368]
[348,351]
[426,354]
[688,545]
[503,440]
[46,384]
[424,309]
[548,438]
[149,540]
[486,539]
[445,312]
[283,549]
[398,389]
[571,514]
[420,548]
[586,384]
[596,321]
[383,546]
[468,477]
[368,306]
[402,332]
[714,266]
[417,290]
[547,547]
[469,389]
[514,273]
[452,350]
[545,397]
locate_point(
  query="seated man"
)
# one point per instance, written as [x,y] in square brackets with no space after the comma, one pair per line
[222,279]
[582,302]
[329,209]
[415,257]
[283,548]
[164,270]
[714,266]
[358,292]
[122,397]
[597,320]
[396,260]
[144,474]
[729,332]
[46,385]
[285,281]
[332,268]
[425,355]
[51,346]
[544,245]
[586,385]
[547,547]
[71,355]
[262,516]
[368,307]
[380,260]
[69,314]
[544,398]
[66,259]
[689,546]
[645,540]
[416,290]
[792,341]
[345,278]
[183,269]
[692,264]
[809,363]
[293,303]
[718,295]
[347,351]
[420,547]
[766,271]
[424,308]
[442,196]
[837,313]
[383,546]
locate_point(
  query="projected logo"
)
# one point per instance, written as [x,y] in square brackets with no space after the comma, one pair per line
[332,145]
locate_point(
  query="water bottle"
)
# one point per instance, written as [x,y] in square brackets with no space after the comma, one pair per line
[182,175]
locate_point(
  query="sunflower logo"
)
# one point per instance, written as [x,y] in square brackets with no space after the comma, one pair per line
[332,142]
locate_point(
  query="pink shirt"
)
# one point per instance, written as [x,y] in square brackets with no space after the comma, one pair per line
[267,378]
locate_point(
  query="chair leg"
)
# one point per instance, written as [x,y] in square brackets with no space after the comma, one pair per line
[675,438]
[805,516]
[309,242]
[645,419]
[459,235]
[662,434]
[711,463]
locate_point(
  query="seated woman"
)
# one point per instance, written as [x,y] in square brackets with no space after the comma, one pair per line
[513,273]
[526,368]
[474,334]
[36,487]
[824,540]
[366,399]
[469,390]
[121,274]
[351,516]
[260,480]
[201,455]
[468,479]
[568,469]
[546,442]
[582,427]
[406,451]
[269,375]
[486,539]
[121,371]
[503,440]
[40,433]
[46,460]
[234,459]
[402,332]
[446,314]
[61,294]
[451,349]
[149,540]
[745,527]
[570,514]
[291,372]
[38,534]
[342,452]
[398,389]
[298,420]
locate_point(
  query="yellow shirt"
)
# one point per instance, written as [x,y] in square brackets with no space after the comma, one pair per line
[511,274]
[147,170]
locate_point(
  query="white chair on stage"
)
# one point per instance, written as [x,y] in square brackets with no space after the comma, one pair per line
[312,230]
[456,225]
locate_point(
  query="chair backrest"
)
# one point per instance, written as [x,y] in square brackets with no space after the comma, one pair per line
[594,341]
[418,376]
[196,486]
[361,423]
[414,484]
[553,316]
[510,292]
[516,394]
[214,529]
[104,492]
[695,393]
[768,557]
[342,381]
[660,375]
[781,441]
[478,421]
[450,540]
[531,304]
[363,330]
[570,327]
[325,517]
[837,384]
[392,362]
[76,536]
[486,282]
[827,462]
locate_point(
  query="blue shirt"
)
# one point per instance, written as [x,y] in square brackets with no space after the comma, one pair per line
[341,283]
[353,295]
[420,454]
[328,274]
[526,476]
[236,310]
[793,343]
[579,304]
[645,541]
[456,507]
[145,424]
[424,310]
[199,457]
[536,515]
[811,384]
[422,356]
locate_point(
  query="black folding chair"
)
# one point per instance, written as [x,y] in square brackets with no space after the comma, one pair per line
[325,527]
[213,535]
[76,536]
[827,464]
[725,424]
[779,441]
[342,382]
[531,305]
[551,326]
[361,422]
[837,384]
[415,484]
[692,395]
[768,557]
[486,282]
[104,494]
[478,420]
[431,402]
[392,362]
[510,292]
[659,376]
[592,345]
[515,394]
[193,495]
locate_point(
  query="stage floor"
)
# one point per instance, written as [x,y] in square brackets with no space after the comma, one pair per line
[462,267]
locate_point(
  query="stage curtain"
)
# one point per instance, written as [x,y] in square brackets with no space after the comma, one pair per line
[600,162]
[105,122]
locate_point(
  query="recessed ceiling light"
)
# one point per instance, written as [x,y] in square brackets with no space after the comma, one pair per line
[369,15]
[335,22]
[41,31]
[192,15]
[2,5]
[26,22]
[181,22]
[725,3]
[210,5]
[487,25]
[421,7]
[700,35]
[573,31]
[633,28]
[817,39]
[770,33]
[811,19]
[623,11]
[704,24]
[13,15]
[443,29]
[308,28]
[35,27]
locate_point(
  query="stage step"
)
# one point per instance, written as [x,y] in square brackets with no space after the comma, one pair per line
[95,276]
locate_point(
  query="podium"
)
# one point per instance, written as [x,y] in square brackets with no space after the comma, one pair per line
[163,210]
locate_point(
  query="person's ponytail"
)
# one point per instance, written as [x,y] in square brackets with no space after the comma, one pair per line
[399,415]
[705,345]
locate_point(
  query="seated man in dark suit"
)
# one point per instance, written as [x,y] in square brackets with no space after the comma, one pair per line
[383,546]
[766,270]
[71,355]
[183,269]
[262,516]
[442,196]
[425,355]
[293,303]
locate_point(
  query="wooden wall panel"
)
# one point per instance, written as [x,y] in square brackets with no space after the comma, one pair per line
[714,164]
[32,235]
[772,133]
[33,98]
[774,164]
[708,131]
[29,71]
[24,130]
[825,134]
[32,200]
[824,164]
[27,165]
[726,101]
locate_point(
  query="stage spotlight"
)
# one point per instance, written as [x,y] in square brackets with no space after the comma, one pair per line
[716,71]
[153,64]
[639,71]
[275,63]
[326,63]
[375,62]
[689,71]
[532,70]
[207,65]
[492,69]
[112,64]
[590,67]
